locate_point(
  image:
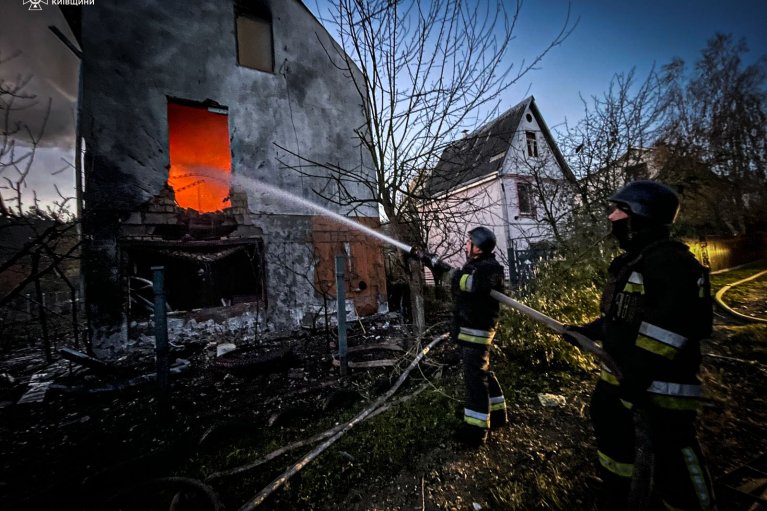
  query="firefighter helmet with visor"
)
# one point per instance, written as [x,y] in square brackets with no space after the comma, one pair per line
[482,238]
[649,199]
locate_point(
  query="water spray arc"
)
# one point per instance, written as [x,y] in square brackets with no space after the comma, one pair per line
[584,342]
[256,185]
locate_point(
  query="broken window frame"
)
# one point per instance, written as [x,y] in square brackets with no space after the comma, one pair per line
[219,259]
[253,11]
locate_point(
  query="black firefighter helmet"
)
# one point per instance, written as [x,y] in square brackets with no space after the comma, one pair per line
[649,199]
[482,238]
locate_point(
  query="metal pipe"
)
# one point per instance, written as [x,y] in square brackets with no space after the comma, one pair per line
[341,308]
[160,328]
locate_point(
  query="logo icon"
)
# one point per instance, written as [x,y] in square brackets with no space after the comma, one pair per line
[34,5]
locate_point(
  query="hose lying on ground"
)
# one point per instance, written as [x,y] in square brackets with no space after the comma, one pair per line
[282,478]
[307,441]
[730,310]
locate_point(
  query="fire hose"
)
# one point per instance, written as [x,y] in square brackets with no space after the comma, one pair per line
[584,343]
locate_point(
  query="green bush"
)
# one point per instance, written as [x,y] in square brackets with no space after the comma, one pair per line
[567,289]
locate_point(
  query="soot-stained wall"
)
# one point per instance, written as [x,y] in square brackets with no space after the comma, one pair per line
[137,56]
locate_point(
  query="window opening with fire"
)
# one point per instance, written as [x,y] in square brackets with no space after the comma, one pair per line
[200,159]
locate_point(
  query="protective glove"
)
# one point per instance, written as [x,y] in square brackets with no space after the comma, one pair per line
[415,253]
[435,264]
[592,331]
[431,261]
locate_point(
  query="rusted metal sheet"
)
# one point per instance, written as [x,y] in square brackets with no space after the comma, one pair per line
[364,276]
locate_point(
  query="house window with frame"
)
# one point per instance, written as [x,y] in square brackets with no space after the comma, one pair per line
[525,199]
[532,144]
[255,41]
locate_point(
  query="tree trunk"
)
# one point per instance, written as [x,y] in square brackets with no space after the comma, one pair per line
[414,271]
[416,297]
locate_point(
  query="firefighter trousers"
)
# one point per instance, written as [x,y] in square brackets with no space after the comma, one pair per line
[485,405]
[680,480]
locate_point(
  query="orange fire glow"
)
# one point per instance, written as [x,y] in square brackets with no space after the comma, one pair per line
[200,161]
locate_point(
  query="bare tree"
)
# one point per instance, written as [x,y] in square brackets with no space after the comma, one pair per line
[609,144]
[425,72]
[40,239]
[703,132]
[717,119]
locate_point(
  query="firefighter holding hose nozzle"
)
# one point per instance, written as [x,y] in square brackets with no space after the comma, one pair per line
[474,320]
[655,309]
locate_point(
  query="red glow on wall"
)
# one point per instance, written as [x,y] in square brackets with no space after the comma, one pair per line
[200,160]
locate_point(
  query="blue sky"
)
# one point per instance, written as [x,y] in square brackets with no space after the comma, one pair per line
[611,37]
[614,36]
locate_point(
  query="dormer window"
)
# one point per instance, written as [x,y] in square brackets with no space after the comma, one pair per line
[255,42]
[532,144]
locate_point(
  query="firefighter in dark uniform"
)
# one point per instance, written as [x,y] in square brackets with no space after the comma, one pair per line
[655,310]
[474,321]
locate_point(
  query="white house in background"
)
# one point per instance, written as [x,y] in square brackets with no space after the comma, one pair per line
[508,175]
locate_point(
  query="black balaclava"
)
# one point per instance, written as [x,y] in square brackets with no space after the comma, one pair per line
[636,232]
[469,256]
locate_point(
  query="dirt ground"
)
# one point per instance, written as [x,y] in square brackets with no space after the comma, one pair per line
[127,448]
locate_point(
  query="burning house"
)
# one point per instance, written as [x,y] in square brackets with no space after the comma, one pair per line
[184,108]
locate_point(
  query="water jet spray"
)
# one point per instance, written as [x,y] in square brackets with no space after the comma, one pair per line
[584,342]
[255,184]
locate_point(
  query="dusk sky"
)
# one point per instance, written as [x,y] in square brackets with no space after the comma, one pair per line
[612,36]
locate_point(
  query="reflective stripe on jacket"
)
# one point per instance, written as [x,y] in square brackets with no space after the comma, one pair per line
[478,419]
[675,396]
[476,312]
[475,336]
[655,310]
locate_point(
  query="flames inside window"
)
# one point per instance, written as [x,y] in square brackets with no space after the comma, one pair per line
[200,160]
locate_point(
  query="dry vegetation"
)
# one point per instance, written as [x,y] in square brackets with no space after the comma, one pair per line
[101,451]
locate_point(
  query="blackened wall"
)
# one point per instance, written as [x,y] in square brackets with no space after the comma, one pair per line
[137,55]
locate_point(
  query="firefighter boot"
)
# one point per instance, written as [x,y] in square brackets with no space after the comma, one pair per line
[498,419]
[470,436]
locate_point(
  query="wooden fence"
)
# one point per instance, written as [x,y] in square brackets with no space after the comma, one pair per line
[719,253]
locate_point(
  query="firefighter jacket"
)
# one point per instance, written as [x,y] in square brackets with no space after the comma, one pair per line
[655,309]
[476,312]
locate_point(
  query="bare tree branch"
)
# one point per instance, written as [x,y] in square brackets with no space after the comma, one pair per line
[425,72]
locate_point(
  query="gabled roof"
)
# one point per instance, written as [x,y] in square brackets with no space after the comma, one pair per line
[482,152]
